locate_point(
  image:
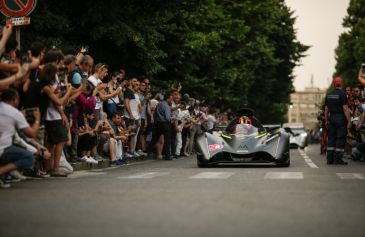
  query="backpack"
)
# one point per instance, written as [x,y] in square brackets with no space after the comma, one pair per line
[71,75]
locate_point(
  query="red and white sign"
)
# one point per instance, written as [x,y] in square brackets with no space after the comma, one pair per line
[17,8]
[215,147]
[20,21]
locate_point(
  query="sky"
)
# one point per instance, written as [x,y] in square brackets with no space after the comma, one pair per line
[318,24]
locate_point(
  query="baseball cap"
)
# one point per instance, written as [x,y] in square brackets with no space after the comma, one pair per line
[337,81]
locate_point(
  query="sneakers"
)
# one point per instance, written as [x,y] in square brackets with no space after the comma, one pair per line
[89,160]
[58,173]
[159,157]
[3,184]
[135,154]
[84,158]
[141,153]
[43,174]
[16,174]
[129,155]
[97,157]
[10,179]
[37,174]
[117,163]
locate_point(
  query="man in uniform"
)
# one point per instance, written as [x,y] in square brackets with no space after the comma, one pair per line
[338,120]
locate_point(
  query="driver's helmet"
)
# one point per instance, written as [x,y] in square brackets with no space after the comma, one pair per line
[245,120]
[244,126]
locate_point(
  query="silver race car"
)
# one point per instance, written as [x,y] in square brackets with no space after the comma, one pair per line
[244,141]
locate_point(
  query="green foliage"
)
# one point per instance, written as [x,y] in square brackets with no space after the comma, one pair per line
[230,53]
[350,52]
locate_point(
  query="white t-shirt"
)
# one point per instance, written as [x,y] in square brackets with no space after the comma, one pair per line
[52,113]
[184,117]
[11,121]
[153,104]
[211,121]
[134,106]
[99,102]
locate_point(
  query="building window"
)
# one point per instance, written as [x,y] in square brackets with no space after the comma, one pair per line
[303,106]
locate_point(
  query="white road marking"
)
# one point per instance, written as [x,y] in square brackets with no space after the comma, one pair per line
[350,176]
[80,174]
[307,160]
[145,175]
[212,175]
[284,175]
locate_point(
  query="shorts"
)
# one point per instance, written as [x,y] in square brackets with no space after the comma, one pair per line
[56,132]
[86,143]
[130,122]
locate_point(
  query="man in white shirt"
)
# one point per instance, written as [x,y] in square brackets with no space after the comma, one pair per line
[132,108]
[12,120]
[211,120]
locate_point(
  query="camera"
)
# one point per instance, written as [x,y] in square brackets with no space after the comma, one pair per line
[29,115]
[62,73]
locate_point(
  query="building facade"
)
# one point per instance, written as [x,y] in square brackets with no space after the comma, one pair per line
[305,106]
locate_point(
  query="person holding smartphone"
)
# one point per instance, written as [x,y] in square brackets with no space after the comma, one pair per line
[14,157]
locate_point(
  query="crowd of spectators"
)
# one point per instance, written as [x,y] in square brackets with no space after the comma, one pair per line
[355,140]
[60,107]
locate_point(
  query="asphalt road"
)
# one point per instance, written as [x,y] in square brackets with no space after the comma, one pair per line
[175,198]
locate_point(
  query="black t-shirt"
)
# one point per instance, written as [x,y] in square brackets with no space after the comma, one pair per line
[335,101]
[34,98]
[128,94]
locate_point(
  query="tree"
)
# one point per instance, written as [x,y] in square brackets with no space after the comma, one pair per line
[229,53]
[350,52]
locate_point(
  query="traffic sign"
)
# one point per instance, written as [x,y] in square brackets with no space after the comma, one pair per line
[17,8]
[20,21]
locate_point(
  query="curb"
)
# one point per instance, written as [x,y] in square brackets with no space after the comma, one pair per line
[104,163]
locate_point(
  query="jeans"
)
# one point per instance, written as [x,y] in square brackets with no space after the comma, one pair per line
[22,158]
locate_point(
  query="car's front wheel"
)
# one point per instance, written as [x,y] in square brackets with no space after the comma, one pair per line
[286,160]
[201,163]
[286,164]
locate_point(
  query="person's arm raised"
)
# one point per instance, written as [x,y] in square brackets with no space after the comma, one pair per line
[53,97]
[22,70]
[7,30]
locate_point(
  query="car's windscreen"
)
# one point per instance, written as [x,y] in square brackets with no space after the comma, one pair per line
[245,129]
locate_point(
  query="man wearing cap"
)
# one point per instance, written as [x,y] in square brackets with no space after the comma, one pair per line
[338,120]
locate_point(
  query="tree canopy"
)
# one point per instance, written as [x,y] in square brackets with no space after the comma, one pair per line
[230,53]
[350,52]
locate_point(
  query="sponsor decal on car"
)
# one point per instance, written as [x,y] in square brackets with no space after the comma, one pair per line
[242,148]
[215,147]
